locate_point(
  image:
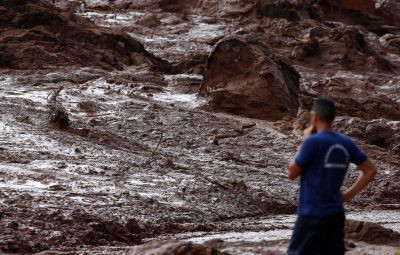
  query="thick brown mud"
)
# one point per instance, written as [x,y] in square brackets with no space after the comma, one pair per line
[145,158]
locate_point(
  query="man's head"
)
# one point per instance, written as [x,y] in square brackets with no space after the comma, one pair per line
[323,110]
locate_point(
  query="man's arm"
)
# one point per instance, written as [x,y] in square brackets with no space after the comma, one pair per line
[368,172]
[294,171]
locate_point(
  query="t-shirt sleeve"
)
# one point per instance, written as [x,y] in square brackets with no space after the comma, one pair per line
[305,154]
[357,156]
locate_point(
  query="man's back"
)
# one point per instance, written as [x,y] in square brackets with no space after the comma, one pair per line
[324,159]
[322,164]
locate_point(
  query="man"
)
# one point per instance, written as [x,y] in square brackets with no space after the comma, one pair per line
[321,163]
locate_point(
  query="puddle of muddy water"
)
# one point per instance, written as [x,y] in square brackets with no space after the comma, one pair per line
[31,185]
[247,236]
[113,19]
[189,100]
[163,40]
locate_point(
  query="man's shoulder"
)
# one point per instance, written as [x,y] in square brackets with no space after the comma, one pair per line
[344,138]
[312,138]
[334,137]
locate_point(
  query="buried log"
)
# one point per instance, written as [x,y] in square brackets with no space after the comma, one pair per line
[235,133]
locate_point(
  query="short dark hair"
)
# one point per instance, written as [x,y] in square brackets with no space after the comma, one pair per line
[325,109]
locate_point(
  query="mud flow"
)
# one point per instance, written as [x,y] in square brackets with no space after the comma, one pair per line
[165,127]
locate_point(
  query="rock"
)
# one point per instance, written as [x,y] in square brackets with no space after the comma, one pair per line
[367,6]
[133,226]
[244,77]
[277,11]
[380,132]
[173,248]
[389,10]
[88,106]
[35,35]
[371,233]
[176,5]
[103,232]
[391,41]
[351,102]
[149,20]
[306,48]
[354,12]
[59,117]
[348,47]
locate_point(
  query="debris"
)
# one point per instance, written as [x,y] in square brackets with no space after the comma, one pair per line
[215,182]
[151,157]
[58,115]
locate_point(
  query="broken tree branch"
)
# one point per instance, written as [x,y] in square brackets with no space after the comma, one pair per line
[215,182]
[151,157]
[236,133]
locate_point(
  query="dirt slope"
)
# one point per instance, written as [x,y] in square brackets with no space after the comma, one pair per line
[35,35]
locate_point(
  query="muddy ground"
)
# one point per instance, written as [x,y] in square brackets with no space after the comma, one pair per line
[144,158]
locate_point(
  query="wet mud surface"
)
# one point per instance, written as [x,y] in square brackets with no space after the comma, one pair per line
[145,158]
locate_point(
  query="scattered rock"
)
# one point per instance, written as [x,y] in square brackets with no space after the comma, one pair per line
[133,226]
[88,106]
[380,132]
[149,20]
[111,231]
[277,11]
[371,233]
[389,10]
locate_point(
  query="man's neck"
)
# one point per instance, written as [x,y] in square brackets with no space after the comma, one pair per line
[323,127]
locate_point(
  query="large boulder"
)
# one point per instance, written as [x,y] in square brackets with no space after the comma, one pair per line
[244,77]
[37,35]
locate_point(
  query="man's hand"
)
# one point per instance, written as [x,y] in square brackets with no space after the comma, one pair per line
[368,172]
[309,131]
[346,197]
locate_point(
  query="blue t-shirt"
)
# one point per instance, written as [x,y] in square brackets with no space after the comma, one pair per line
[324,158]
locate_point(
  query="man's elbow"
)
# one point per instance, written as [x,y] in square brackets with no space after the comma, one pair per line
[294,171]
[373,172]
[370,169]
[292,176]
